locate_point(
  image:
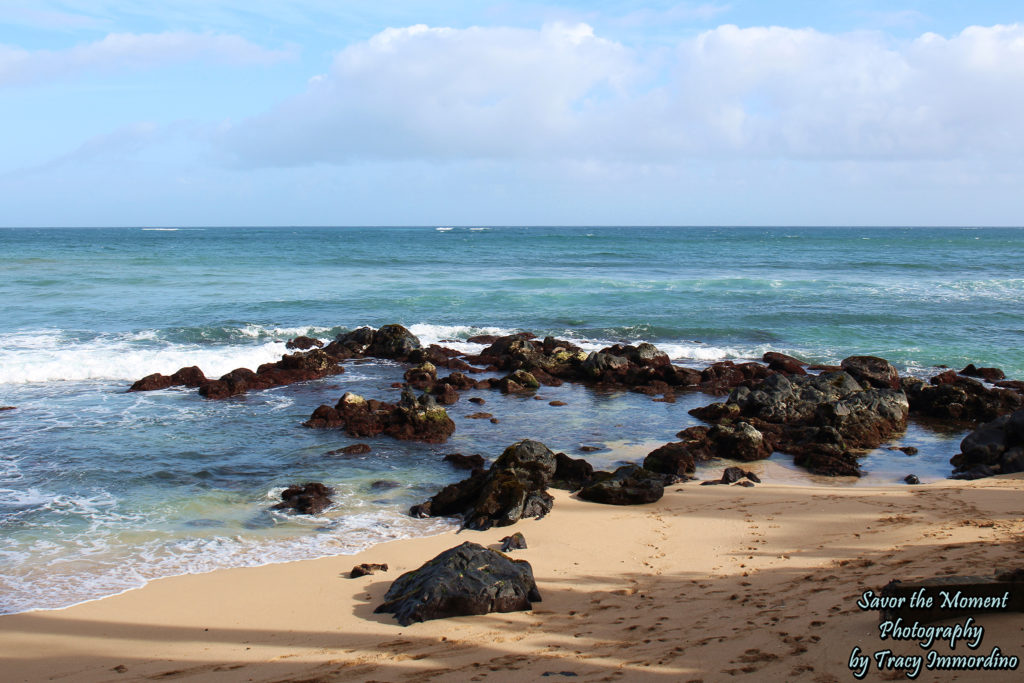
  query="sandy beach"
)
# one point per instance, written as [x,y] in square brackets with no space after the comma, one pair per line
[710,583]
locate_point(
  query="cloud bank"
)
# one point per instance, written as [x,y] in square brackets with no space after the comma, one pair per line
[120,51]
[564,93]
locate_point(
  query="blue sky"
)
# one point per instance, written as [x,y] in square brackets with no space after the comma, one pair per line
[319,112]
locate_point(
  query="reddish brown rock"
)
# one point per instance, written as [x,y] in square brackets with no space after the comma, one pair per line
[412,419]
[780,362]
[873,371]
[305,499]
[465,462]
[303,343]
[153,382]
[354,449]
[366,569]
[987,374]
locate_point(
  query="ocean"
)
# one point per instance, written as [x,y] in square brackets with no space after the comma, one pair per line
[102,490]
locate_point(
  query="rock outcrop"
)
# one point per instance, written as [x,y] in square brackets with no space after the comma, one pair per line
[412,419]
[515,487]
[996,447]
[949,396]
[822,420]
[191,376]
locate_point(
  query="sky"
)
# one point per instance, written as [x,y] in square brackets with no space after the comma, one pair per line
[352,112]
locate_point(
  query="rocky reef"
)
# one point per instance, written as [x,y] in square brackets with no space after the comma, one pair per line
[825,416]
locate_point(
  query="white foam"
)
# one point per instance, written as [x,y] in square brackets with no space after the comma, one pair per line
[260,331]
[453,336]
[703,352]
[46,356]
[12,498]
[50,581]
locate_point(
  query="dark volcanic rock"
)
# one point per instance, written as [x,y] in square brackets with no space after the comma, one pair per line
[819,419]
[465,580]
[987,374]
[732,475]
[780,362]
[871,370]
[153,382]
[422,376]
[459,381]
[514,542]
[352,343]
[672,458]
[912,479]
[996,447]
[191,376]
[305,499]
[739,441]
[296,367]
[465,462]
[354,449]
[393,341]
[827,461]
[628,485]
[514,487]
[720,377]
[303,343]
[366,569]
[960,399]
[188,377]
[571,474]
[412,419]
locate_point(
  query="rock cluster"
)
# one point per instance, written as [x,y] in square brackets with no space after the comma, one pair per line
[824,419]
[821,419]
[949,396]
[313,360]
[515,487]
[996,447]
[412,419]
[643,368]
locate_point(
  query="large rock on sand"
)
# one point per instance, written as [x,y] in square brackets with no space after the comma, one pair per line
[628,485]
[466,580]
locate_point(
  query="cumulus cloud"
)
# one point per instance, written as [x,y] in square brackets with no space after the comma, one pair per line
[562,92]
[119,51]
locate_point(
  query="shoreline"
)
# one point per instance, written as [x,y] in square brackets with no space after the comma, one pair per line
[708,583]
[782,473]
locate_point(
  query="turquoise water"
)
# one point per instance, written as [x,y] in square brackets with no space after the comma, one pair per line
[102,490]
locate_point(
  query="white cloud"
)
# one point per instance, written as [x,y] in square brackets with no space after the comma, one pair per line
[118,51]
[563,93]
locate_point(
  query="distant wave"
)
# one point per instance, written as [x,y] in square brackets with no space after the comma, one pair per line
[49,356]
